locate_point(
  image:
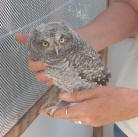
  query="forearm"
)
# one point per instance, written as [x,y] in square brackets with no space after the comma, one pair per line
[114,24]
[130,97]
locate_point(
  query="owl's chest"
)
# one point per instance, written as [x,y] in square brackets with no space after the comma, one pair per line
[66,76]
[61,70]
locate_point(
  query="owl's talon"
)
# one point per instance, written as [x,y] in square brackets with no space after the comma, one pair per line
[50,111]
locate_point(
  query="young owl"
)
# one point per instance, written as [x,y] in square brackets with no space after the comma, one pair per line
[72,63]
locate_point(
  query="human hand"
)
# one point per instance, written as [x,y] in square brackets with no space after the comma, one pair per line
[35,66]
[99,106]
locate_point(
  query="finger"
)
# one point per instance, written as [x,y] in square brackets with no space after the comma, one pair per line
[22,38]
[36,65]
[41,76]
[60,113]
[49,82]
[71,113]
[79,96]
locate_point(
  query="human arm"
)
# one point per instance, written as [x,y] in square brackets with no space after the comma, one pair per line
[114,24]
[100,106]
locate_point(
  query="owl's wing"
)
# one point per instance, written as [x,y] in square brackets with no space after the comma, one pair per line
[91,68]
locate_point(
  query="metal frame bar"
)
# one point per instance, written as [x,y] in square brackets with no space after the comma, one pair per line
[29,117]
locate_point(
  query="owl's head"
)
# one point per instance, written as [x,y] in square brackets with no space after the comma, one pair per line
[50,40]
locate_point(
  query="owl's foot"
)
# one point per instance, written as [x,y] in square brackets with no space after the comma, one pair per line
[50,111]
[52,107]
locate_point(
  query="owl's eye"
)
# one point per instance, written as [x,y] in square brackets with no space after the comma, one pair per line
[62,40]
[45,44]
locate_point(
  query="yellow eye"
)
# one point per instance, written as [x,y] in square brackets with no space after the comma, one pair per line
[62,40]
[45,44]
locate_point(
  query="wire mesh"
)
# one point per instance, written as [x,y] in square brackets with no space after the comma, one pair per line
[19,89]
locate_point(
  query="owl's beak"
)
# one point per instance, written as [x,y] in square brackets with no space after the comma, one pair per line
[56,49]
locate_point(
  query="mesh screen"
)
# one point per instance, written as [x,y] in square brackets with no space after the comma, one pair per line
[19,88]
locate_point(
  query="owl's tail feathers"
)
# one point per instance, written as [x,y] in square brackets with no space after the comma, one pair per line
[104,81]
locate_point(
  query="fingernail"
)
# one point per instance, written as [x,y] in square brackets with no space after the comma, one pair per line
[65,95]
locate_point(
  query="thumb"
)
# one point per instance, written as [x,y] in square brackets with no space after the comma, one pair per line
[22,38]
[79,96]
